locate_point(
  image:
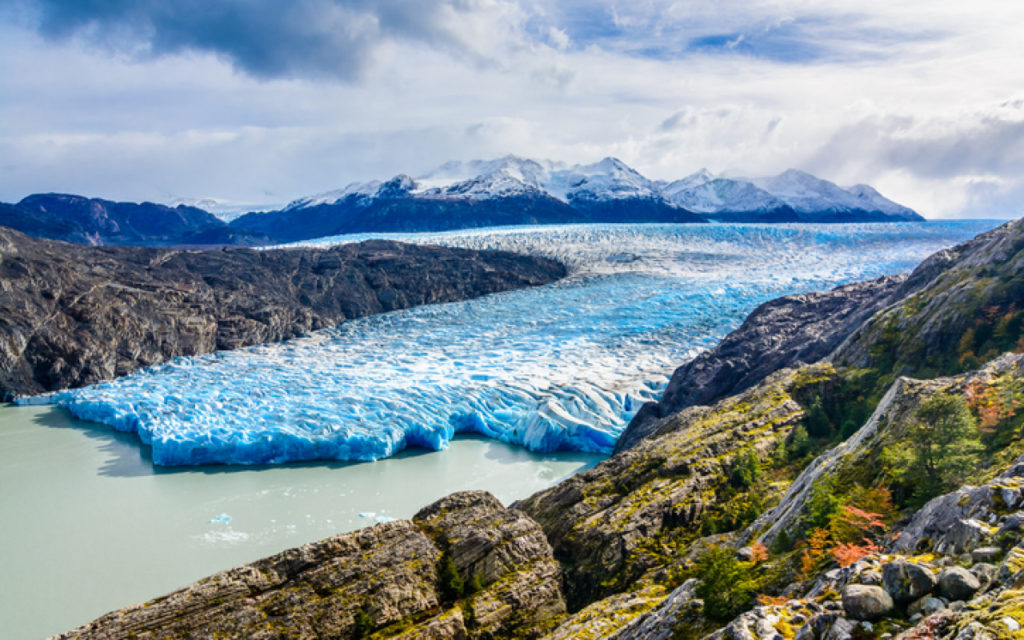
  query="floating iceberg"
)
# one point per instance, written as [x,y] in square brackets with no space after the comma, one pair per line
[561,367]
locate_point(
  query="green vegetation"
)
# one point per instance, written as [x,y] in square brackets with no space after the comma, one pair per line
[475,585]
[725,585]
[363,624]
[746,469]
[944,447]
[452,586]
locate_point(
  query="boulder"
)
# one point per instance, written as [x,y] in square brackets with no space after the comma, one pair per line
[926,606]
[866,602]
[986,554]
[985,573]
[871,577]
[957,583]
[906,581]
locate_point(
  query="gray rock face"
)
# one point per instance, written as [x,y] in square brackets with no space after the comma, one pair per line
[72,315]
[312,591]
[799,328]
[905,581]
[866,602]
[958,522]
[389,571]
[957,583]
[509,554]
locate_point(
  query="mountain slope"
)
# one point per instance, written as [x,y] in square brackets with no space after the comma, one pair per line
[102,222]
[507,191]
[72,315]
[460,195]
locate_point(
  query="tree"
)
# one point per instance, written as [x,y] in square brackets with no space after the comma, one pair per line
[944,448]
[746,469]
[818,424]
[452,586]
[725,586]
[363,623]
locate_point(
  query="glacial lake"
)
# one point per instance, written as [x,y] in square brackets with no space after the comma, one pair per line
[89,524]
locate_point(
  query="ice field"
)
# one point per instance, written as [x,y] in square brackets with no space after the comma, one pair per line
[560,367]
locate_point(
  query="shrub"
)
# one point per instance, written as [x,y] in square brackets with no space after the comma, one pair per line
[452,586]
[725,584]
[944,448]
[363,624]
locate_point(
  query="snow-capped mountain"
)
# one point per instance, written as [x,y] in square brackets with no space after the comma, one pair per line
[704,193]
[792,193]
[513,190]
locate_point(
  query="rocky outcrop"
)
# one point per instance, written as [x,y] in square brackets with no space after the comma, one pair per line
[855,458]
[389,578]
[959,308]
[503,551]
[601,522]
[798,328]
[72,315]
[967,518]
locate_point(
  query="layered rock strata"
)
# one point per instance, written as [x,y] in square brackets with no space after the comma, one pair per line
[72,315]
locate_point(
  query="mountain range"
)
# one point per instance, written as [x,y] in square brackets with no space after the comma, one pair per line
[458,195]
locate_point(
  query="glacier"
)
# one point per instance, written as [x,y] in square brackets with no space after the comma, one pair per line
[560,367]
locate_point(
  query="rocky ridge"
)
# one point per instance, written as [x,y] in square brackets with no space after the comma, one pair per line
[779,333]
[72,315]
[391,580]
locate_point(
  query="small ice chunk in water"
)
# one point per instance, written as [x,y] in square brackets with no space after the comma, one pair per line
[385,519]
[223,518]
[367,514]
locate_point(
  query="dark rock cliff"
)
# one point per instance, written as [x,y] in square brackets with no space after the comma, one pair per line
[72,315]
[779,333]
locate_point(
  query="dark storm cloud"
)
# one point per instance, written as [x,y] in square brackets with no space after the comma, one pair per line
[263,38]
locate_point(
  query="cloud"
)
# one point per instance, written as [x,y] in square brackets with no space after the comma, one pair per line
[237,98]
[272,39]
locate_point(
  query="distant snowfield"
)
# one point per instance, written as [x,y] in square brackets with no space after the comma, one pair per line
[561,367]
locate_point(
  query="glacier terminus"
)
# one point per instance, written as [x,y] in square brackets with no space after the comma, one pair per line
[560,367]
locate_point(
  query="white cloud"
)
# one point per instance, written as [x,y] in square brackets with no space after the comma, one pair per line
[925,105]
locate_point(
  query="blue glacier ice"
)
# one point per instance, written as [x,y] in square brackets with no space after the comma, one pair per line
[561,367]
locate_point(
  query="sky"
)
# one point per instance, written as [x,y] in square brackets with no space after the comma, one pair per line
[258,102]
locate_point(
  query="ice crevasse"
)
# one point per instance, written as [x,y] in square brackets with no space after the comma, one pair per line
[560,367]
